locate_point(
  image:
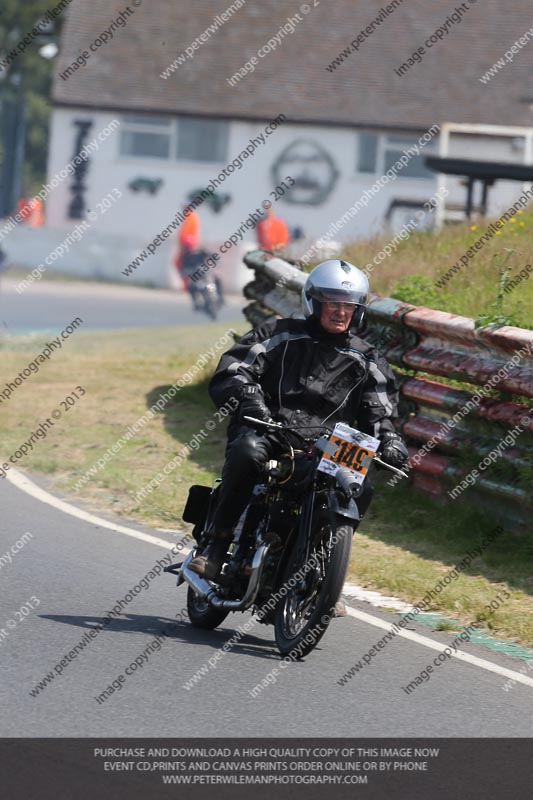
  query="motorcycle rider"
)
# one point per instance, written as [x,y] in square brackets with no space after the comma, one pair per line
[193,271]
[272,232]
[309,372]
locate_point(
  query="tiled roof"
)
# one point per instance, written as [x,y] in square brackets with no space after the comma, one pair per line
[124,74]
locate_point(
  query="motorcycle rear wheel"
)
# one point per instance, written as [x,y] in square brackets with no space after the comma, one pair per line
[203,615]
[303,615]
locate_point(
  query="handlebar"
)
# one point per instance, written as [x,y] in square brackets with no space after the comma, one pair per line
[389,466]
[261,422]
[280,426]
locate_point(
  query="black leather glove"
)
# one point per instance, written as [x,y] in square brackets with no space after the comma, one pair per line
[253,404]
[393,450]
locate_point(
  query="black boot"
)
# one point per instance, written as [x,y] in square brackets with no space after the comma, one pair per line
[209,563]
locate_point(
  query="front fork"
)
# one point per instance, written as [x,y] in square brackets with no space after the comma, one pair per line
[334,506]
[303,541]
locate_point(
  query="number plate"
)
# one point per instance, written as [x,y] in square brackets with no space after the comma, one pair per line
[355,450]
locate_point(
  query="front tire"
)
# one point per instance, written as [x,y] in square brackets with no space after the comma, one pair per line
[303,615]
[211,307]
[203,615]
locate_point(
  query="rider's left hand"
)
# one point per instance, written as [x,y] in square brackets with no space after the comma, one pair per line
[394,450]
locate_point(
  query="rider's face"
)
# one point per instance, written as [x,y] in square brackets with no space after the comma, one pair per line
[336,317]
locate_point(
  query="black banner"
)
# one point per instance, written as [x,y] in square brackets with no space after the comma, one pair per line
[85,769]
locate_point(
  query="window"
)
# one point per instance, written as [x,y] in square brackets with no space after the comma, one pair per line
[377,153]
[415,168]
[202,139]
[185,139]
[367,152]
[147,137]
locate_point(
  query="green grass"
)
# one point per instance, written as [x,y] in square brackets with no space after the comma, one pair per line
[447,626]
[123,373]
[410,272]
[405,545]
[410,541]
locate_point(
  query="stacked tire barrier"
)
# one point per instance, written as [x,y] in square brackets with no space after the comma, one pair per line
[452,433]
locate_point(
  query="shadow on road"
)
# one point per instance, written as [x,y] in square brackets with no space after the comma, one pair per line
[182,632]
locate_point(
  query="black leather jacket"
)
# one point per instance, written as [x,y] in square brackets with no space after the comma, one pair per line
[310,377]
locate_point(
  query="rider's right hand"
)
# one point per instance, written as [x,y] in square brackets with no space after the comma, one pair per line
[253,404]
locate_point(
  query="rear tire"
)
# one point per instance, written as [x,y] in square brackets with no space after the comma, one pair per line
[203,615]
[303,615]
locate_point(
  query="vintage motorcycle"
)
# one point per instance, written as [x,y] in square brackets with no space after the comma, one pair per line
[207,296]
[289,555]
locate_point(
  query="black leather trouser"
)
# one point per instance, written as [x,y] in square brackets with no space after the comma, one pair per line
[246,455]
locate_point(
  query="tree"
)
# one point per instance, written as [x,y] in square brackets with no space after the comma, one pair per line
[28,78]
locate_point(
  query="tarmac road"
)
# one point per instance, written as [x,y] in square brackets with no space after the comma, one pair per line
[50,306]
[77,570]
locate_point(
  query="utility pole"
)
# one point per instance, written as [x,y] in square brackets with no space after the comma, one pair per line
[12,125]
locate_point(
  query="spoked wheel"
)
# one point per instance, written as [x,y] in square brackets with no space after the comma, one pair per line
[303,615]
[203,615]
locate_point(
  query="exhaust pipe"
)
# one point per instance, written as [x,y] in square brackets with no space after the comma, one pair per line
[203,588]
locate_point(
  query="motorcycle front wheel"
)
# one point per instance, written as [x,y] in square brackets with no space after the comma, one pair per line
[304,613]
[211,305]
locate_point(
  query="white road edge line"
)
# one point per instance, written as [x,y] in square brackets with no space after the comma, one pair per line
[26,485]
[386,602]
[431,643]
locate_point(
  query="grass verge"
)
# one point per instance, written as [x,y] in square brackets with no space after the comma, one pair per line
[410,542]
[404,547]
[482,288]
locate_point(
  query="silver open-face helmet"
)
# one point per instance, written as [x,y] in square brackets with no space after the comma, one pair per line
[335,281]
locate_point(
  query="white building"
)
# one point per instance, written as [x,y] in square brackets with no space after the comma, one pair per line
[344,127]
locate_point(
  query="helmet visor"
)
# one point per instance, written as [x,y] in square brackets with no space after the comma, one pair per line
[344,295]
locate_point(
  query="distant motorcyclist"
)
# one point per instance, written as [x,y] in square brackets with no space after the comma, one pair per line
[195,271]
[307,373]
[188,240]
